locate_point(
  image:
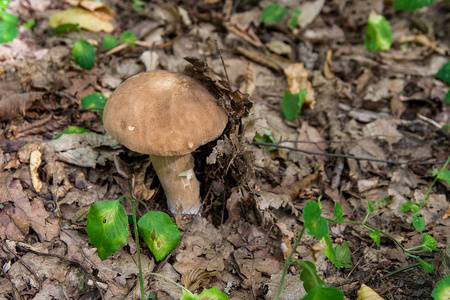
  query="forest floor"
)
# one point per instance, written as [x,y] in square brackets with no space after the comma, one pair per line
[386,106]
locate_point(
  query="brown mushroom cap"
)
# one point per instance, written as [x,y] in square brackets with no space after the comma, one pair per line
[163,113]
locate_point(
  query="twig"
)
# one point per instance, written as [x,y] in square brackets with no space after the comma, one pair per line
[23,263]
[400,270]
[350,156]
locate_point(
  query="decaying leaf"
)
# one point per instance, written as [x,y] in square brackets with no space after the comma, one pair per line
[193,279]
[317,249]
[366,293]
[286,246]
[97,8]
[35,162]
[85,18]
[297,78]
[16,105]
[249,85]
[140,190]
[328,66]
[246,34]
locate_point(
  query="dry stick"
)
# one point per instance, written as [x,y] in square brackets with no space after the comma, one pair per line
[350,156]
[143,44]
[23,263]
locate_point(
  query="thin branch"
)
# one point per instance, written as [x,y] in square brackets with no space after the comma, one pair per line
[350,156]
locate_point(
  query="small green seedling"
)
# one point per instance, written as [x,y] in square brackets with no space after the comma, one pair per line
[378,33]
[444,75]
[291,105]
[84,54]
[265,138]
[8,24]
[411,4]
[442,290]
[273,14]
[67,27]
[71,130]
[94,100]
[138,5]
[128,37]
[110,42]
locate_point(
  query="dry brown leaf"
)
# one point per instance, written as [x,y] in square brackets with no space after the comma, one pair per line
[447,213]
[297,78]
[16,105]
[286,246]
[317,249]
[85,18]
[246,34]
[366,293]
[35,162]
[196,277]
[140,190]
[328,66]
[249,85]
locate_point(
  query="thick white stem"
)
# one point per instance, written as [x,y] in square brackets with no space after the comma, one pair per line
[177,177]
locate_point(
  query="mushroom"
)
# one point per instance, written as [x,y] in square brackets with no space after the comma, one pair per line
[166,115]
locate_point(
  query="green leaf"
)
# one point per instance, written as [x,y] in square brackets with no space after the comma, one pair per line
[427,266]
[291,105]
[338,212]
[405,207]
[159,233]
[343,255]
[324,292]
[70,130]
[84,54]
[415,208]
[272,14]
[375,235]
[447,97]
[109,42]
[445,175]
[107,227]
[93,100]
[378,33]
[138,5]
[4,4]
[63,28]
[186,296]
[309,276]
[9,18]
[442,290]
[369,203]
[418,223]
[444,73]
[29,24]
[293,19]
[265,138]
[315,224]
[428,242]
[411,4]
[330,252]
[212,294]
[8,32]
[128,36]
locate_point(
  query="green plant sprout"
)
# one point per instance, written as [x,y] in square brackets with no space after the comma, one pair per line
[110,42]
[442,290]
[94,101]
[411,4]
[273,13]
[265,138]
[291,105]
[138,5]
[71,130]
[444,75]
[378,33]
[8,24]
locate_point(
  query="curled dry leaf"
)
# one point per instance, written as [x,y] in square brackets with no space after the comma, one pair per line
[286,246]
[140,190]
[366,293]
[35,162]
[195,277]
[297,78]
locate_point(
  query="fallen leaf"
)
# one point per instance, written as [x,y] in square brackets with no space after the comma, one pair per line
[85,18]
[366,293]
[35,162]
[297,78]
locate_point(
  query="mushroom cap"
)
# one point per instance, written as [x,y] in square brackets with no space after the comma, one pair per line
[163,113]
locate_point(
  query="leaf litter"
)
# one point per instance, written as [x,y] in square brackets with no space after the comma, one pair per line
[363,104]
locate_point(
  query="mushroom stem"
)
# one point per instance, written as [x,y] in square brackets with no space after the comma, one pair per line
[177,177]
